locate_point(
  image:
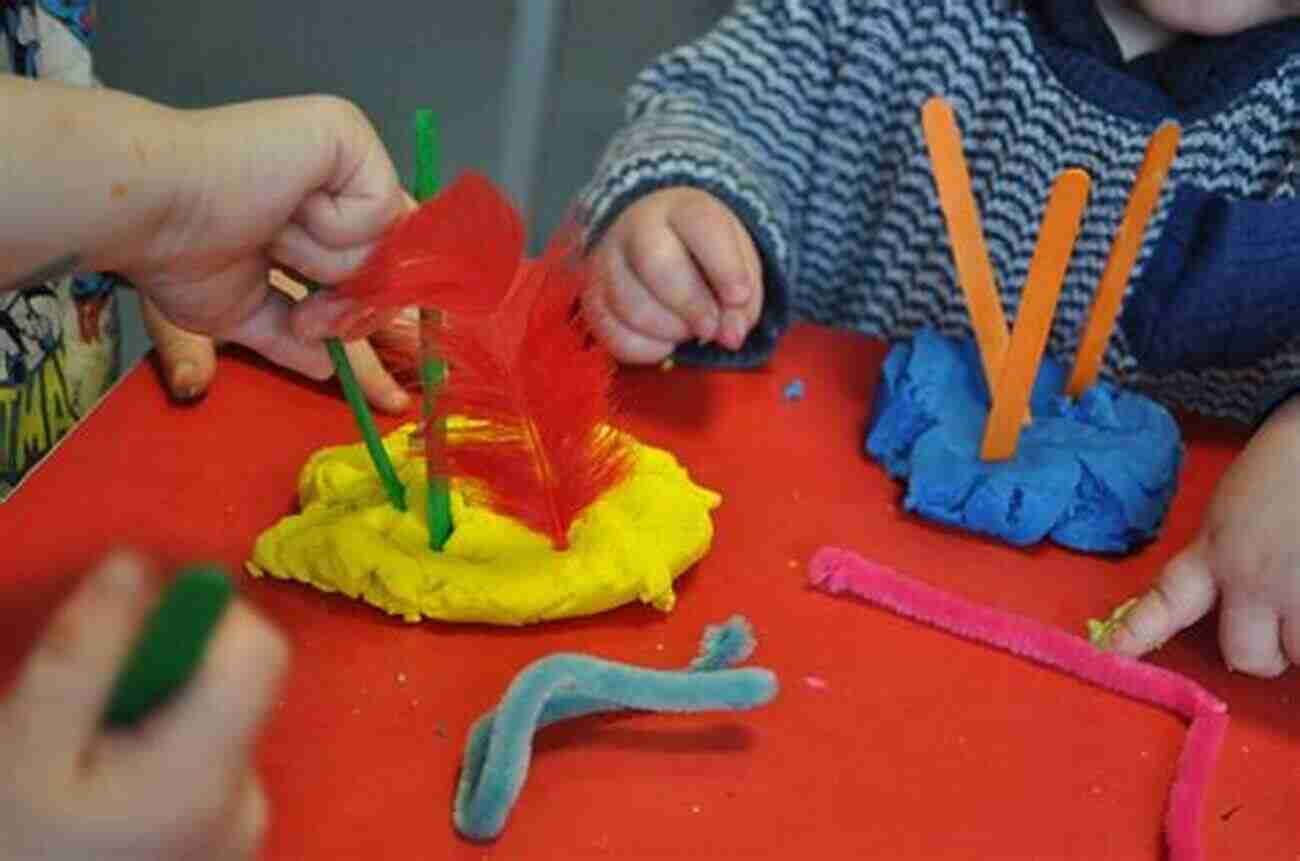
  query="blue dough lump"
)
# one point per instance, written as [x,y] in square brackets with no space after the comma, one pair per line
[1096,474]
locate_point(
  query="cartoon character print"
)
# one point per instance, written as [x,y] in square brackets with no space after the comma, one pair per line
[36,404]
[77,15]
[18,27]
[58,341]
[91,294]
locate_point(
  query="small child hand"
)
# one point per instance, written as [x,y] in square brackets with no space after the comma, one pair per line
[676,265]
[1247,557]
[178,785]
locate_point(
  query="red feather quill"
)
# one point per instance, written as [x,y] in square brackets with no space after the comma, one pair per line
[458,252]
[535,388]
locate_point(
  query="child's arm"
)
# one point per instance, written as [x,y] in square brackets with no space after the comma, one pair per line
[737,115]
[178,785]
[193,207]
[1246,558]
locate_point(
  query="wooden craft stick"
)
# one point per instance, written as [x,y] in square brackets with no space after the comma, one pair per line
[1123,254]
[1056,238]
[965,234]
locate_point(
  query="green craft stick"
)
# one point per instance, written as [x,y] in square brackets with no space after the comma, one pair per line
[366,422]
[428,156]
[356,399]
[437,498]
[171,645]
[432,371]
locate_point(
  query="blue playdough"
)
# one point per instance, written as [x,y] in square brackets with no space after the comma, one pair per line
[1095,475]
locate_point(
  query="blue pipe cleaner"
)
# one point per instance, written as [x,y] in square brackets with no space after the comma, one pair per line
[569,685]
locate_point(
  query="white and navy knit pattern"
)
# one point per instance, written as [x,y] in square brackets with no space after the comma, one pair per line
[804,116]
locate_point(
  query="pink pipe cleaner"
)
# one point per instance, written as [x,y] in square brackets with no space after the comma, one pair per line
[836,571]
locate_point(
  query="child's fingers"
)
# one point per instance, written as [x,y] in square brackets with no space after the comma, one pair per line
[632,303]
[660,261]
[1250,636]
[725,253]
[380,388]
[717,242]
[737,322]
[63,689]
[213,721]
[622,342]
[1184,593]
[188,361]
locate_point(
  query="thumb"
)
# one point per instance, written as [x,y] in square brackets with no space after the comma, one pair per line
[1183,594]
[188,361]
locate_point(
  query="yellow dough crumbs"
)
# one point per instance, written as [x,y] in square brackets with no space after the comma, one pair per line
[1101,630]
[628,545]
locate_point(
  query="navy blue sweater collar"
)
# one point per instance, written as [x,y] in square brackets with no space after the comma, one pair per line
[1192,77]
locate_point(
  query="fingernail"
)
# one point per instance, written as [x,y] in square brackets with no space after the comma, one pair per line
[706,329]
[185,379]
[733,329]
[120,574]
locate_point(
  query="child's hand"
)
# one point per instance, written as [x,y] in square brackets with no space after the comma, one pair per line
[676,265]
[301,183]
[179,785]
[1247,556]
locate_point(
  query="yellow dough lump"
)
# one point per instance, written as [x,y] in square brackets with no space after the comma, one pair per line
[630,544]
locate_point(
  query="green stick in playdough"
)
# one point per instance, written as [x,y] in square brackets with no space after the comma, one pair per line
[171,645]
[365,421]
[432,370]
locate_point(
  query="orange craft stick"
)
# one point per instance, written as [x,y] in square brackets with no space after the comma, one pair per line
[1056,238]
[969,250]
[1123,254]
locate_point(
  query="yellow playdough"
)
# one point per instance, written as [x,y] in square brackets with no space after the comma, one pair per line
[630,544]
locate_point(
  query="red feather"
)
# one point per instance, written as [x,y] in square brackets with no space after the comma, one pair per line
[536,391]
[397,347]
[457,252]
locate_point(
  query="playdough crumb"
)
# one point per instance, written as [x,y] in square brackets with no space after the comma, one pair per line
[817,683]
[794,390]
[1099,632]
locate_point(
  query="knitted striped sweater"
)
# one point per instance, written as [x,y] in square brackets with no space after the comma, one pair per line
[804,117]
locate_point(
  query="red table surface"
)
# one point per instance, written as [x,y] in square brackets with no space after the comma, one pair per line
[888,739]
